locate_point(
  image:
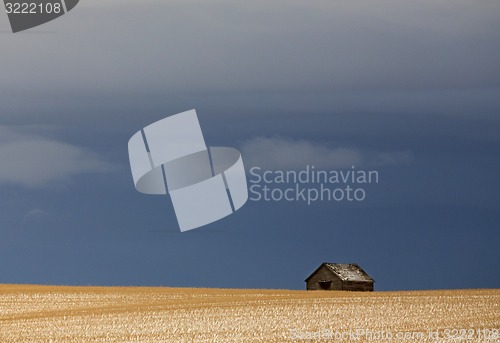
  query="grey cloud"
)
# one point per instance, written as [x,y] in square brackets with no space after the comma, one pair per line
[421,58]
[34,215]
[262,45]
[282,153]
[34,161]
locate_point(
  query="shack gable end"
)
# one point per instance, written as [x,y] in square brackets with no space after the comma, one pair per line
[323,278]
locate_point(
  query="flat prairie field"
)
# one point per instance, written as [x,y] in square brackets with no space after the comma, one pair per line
[143,314]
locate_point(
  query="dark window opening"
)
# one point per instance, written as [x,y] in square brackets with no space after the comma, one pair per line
[325,284]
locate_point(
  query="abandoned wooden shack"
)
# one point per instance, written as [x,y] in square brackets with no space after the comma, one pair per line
[341,277]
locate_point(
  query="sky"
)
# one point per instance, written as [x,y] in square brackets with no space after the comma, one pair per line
[409,89]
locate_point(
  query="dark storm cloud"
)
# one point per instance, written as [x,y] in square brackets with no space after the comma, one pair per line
[388,82]
[415,52]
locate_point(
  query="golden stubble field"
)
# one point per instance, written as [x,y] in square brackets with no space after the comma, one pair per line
[139,314]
